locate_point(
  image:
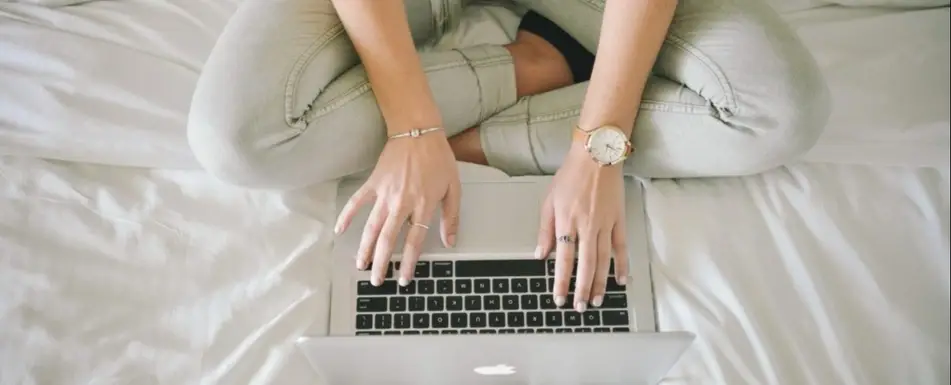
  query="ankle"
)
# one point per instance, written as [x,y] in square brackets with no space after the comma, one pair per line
[539,66]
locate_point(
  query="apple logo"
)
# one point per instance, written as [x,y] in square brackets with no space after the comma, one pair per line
[495,370]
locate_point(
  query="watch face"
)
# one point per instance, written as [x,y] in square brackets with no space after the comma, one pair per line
[607,145]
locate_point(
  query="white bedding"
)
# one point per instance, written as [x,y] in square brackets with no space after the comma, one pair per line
[832,271]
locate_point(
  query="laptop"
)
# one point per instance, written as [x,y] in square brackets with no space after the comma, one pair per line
[482,312]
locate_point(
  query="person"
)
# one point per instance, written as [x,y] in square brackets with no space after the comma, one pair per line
[297,92]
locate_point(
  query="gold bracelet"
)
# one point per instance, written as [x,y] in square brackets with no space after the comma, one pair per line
[415,133]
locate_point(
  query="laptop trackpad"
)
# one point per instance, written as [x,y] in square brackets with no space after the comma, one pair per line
[495,217]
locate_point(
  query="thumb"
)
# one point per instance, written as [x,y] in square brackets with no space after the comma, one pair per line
[450,214]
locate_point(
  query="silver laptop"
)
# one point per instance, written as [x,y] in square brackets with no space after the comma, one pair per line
[483,312]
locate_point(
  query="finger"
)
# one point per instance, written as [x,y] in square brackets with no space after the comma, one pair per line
[587,263]
[363,196]
[413,246]
[450,215]
[386,242]
[371,231]
[600,281]
[546,231]
[564,259]
[619,242]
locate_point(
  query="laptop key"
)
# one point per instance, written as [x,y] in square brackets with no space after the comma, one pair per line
[402,321]
[582,330]
[500,285]
[613,286]
[421,321]
[591,318]
[454,303]
[422,270]
[459,320]
[482,286]
[500,268]
[391,333]
[548,301]
[526,331]
[497,319]
[553,318]
[463,286]
[449,332]
[397,303]
[383,321]
[506,331]
[364,321]
[430,332]
[572,318]
[510,302]
[562,330]
[435,303]
[529,302]
[366,288]
[615,318]
[440,320]
[425,286]
[417,303]
[545,331]
[371,304]
[537,285]
[442,269]
[409,289]
[411,332]
[534,319]
[473,302]
[486,331]
[516,319]
[519,285]
[477,320]
[369,333]
[468,331]
[620,330]
[444,286]
[492,302]
[602,330]
[614,301]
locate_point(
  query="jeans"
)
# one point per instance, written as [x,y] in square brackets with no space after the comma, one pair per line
[283,101]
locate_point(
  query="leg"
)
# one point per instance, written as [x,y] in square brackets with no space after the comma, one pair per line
[283,102]
[733,92]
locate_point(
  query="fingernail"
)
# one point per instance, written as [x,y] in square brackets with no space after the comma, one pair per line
[376,281]
[403,281]
[361,264]
[597,301]
[452,240]
[538,252]
[337,229]
[559,301]
[622,280]
[580,307]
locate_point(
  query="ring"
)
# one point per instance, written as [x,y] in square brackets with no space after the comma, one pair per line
[419,225]
[566,239]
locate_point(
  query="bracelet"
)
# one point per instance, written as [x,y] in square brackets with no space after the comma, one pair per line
[415,133]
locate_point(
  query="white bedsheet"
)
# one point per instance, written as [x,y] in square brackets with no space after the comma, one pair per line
[818,273]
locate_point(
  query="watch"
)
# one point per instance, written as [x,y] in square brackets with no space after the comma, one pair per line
[607,145]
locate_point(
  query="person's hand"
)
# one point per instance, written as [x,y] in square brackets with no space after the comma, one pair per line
[585,207]
[412,177]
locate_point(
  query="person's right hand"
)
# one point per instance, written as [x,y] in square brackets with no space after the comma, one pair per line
[411,177]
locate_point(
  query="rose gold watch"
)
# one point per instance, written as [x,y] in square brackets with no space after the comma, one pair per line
[607,145]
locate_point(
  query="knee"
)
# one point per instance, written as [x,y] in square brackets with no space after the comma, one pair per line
[798,114]
[228,153]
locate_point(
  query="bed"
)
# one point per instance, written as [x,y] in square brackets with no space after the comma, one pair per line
[121,263]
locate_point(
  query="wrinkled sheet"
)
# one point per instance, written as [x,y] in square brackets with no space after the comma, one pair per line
[832,271]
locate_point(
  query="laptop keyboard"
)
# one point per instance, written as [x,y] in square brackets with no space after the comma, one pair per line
[482,297]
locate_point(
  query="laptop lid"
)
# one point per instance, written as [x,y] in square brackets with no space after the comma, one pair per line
[550,359]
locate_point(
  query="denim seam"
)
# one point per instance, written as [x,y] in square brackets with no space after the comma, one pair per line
[531,143]
[711,66]
[293,78]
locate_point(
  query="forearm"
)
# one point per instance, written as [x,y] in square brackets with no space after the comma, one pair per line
[380,33]
[632,33]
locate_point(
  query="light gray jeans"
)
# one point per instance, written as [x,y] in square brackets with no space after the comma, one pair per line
[283,101]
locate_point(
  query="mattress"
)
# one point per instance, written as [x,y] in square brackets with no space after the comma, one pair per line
[122,264]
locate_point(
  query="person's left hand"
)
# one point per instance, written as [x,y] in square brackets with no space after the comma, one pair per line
[585,207]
